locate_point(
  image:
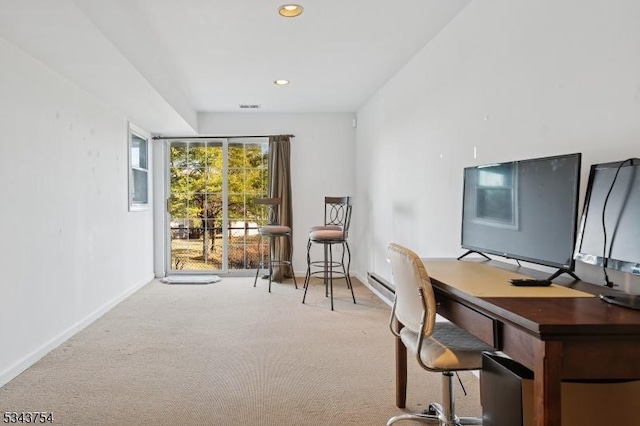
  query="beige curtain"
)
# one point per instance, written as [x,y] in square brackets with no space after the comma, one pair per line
[280,187]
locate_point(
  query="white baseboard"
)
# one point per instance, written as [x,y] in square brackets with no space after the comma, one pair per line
[30,359]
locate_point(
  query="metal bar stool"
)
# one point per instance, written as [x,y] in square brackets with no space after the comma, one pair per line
[333,232]
[274,232]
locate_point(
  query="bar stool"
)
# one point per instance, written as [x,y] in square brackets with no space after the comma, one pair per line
[275,233]
[334,232]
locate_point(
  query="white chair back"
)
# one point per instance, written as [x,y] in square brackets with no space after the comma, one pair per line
[409,276]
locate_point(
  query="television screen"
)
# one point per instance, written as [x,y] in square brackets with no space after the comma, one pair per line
[525,210]
[621,224]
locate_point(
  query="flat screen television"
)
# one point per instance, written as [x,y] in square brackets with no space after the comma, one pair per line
[524,210]
[609,236]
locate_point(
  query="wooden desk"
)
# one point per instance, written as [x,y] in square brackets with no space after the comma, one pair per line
[556,337]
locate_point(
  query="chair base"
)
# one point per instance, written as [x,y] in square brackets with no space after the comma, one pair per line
[271,263]
[435,415]
[439,414]
[269,275]
[329,268]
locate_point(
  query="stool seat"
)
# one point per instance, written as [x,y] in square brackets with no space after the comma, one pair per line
[323,227]
[274,230]
[326,235]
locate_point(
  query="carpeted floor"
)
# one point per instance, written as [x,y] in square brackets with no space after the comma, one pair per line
[229,354]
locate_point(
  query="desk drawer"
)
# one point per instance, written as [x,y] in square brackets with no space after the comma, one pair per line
[476,323]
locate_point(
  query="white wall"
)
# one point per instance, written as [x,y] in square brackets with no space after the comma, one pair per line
[515,79]
[322,161]
[70,249]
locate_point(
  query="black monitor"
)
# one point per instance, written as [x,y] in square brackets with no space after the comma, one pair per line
[610,235]
[524,210]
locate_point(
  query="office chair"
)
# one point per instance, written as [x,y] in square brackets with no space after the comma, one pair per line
[275,233]
[439,347]
[337,219]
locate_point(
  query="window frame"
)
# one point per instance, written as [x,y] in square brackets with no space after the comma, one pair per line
[135,131]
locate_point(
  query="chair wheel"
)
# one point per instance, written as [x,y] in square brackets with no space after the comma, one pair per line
[431,410]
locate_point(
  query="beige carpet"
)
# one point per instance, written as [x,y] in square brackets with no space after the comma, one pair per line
[229,354]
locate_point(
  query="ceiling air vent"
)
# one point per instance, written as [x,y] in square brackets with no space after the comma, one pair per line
[249,106]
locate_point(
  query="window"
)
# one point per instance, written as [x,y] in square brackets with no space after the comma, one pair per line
[212,218]
[138,169]
[496,196]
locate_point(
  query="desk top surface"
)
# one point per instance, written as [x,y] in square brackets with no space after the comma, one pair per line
[490,281]
[571,308]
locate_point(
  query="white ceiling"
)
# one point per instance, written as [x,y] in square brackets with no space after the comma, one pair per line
[188,56]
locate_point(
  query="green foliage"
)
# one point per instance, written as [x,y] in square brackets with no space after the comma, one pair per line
[196,173]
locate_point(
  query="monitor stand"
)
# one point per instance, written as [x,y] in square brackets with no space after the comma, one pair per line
[627,300]
[477,252]
[556,274]
[563,271]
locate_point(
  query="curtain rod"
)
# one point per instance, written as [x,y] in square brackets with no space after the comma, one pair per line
[216,137]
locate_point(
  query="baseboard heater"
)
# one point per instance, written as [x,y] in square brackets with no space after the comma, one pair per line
[384,287]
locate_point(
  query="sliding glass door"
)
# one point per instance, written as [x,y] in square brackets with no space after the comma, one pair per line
[212,223]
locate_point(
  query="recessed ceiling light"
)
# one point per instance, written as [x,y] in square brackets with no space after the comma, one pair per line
[290,10]
[281,82]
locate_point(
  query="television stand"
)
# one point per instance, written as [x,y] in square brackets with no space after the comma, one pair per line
[474,251]
[556,274]
[563,271]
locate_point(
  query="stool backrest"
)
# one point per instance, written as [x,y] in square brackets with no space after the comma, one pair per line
[273,209]
[337,211]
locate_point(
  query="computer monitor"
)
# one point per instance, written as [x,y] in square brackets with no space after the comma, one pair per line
[609,232]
